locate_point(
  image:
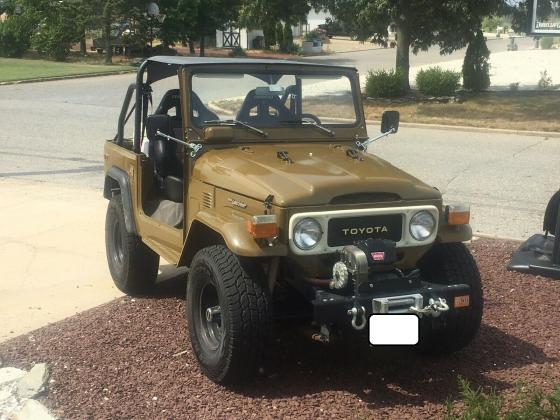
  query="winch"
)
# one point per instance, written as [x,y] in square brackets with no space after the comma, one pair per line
[357,261]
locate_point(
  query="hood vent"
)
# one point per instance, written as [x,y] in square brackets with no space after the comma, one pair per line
[360,198]
[208,199]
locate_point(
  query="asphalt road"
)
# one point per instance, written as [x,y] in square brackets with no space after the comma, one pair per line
[54,132]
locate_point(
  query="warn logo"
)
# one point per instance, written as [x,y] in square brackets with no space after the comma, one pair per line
[366,230]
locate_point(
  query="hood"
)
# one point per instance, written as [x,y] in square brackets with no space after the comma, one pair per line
[315,174]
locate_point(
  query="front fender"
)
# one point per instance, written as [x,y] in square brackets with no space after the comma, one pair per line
[209,227]
[453,234]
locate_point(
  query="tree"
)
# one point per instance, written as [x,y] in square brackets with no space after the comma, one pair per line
[269,13]
[57,31]
[188,20]
[476,69]
[419,24]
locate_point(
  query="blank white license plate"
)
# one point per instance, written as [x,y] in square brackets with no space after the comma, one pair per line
[393,329]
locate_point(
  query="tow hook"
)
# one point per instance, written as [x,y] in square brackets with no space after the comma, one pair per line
[358,314]
[434,309]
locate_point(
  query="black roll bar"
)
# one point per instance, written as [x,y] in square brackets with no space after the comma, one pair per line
[138,106]
[123,117]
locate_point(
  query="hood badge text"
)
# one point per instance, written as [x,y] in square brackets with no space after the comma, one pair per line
[237,203]
[368,230]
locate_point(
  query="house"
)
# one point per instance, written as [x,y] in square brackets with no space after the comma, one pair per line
[253,38]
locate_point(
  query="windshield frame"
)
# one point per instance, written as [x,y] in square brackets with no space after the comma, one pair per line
[342,130]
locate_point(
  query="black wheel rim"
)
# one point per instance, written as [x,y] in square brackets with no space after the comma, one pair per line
[118,247]
[210,317]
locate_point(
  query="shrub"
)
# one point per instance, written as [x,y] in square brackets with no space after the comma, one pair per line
[237,51]
[384,84]
[546,42]
[476,69]
[288,37]
[269,33]
[52,41]
[437,82]
[280,35]
[491,23]
[15,36]
[294,49]
[545,82]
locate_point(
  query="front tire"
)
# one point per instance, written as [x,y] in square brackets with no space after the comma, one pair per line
[133,266]
[228,314]
[451,264]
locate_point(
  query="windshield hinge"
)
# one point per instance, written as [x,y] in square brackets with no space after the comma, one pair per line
[283,155]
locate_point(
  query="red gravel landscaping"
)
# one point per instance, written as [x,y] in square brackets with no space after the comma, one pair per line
[120,360]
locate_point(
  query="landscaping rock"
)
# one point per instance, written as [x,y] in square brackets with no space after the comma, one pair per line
[31,410]
[34,382]
[10,374]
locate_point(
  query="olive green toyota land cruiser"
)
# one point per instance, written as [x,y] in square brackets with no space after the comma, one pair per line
[255,175]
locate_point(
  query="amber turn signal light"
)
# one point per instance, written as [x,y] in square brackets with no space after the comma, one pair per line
[264,226]
[458,214]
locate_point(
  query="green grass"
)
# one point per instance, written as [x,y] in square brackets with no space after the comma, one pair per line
[529,404]
[523,110]
[20,69]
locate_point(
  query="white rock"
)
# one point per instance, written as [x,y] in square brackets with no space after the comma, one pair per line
[8,400]
[10,374]
[31,410]
[34,382]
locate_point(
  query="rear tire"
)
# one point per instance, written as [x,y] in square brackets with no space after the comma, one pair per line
[133,266]
[451,264]
[230,342]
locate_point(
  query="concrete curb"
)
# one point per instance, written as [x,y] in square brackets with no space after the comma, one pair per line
[552,134]
[73,76]
[497,237]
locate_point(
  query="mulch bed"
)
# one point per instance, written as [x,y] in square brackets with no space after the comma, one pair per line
[119,360]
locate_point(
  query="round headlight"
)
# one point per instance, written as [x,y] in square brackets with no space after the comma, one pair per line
[422,225]
[307,233]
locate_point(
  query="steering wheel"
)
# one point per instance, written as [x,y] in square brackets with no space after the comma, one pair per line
[311,117]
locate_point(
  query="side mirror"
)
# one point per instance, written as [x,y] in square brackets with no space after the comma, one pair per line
[390,121]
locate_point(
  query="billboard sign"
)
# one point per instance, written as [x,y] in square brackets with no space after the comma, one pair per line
[545,17]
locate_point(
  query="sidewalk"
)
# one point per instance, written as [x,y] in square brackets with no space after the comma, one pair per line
[52,254]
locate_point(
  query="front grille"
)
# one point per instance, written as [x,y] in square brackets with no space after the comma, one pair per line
[347,230]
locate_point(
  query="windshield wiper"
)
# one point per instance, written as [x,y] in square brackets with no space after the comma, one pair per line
[238,123]
[312,124]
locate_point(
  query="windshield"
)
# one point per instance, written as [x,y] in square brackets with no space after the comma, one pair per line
[272,99]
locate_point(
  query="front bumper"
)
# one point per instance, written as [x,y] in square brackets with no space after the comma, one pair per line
[331,308]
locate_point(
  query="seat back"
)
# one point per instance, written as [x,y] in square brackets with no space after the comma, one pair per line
[263,106]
